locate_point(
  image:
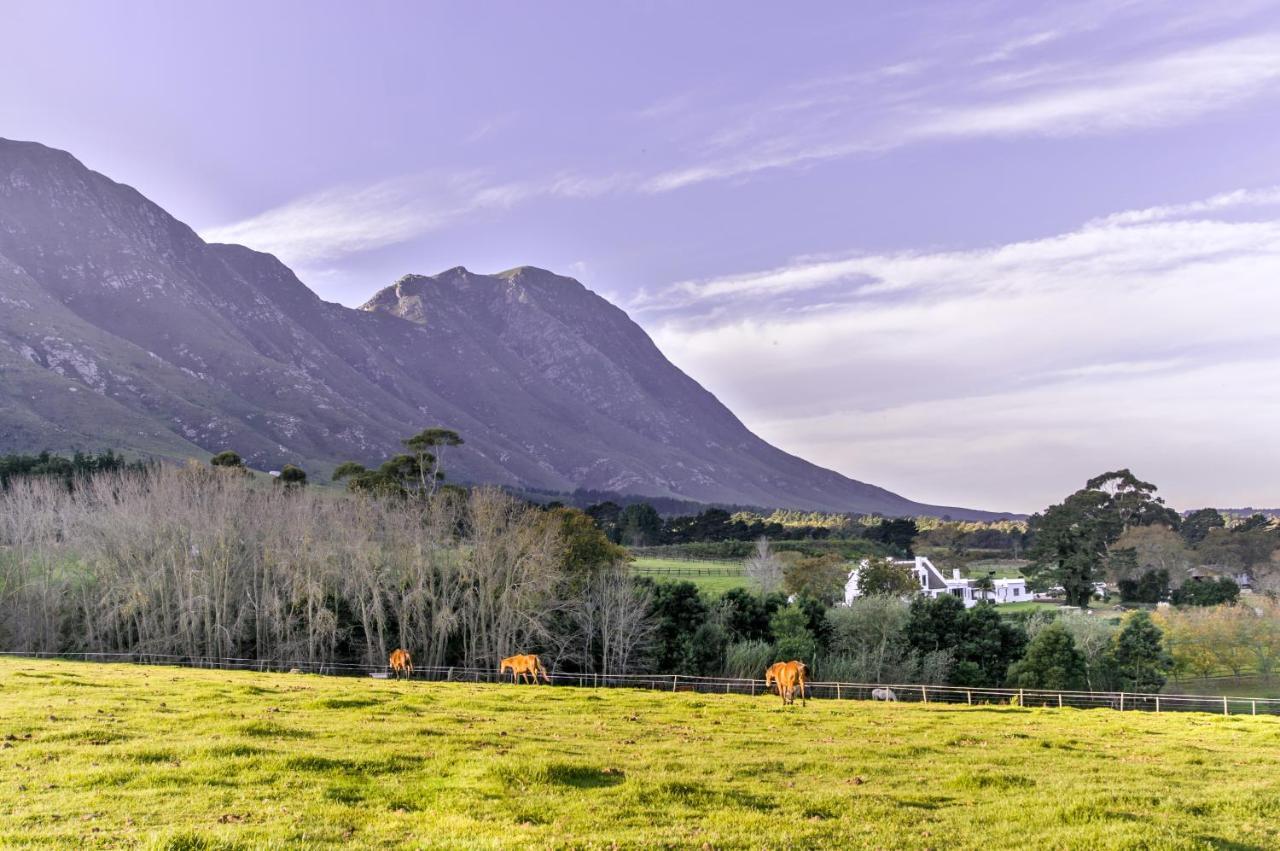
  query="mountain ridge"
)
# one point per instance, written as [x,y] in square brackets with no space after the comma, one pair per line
[121,324]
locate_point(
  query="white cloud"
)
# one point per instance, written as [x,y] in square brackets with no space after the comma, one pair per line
[1148,92]
[976,377]
[347,220]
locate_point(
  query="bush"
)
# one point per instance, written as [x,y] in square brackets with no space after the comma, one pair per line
[1052,662]
[748,659]
[1207,592]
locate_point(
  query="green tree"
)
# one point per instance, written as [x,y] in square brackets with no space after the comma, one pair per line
[985,585]
[1207,592]
[427,447]
[1196,525]
[292,477]
[228,460]
[1137,659]
[881,577]
[586,549]
[678,611]
[898,535]
[1051,662]
[640,525]
[818,577]
[792,638]
[1072,538]
[1150,587]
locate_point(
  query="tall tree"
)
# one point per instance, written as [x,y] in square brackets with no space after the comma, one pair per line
[1051,662]
[1137,659]
[1072,538]
[1196,525]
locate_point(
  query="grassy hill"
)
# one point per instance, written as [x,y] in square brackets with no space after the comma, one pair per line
[105,755]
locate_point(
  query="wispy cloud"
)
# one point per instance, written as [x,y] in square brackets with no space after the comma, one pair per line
[348,220]
[1150,92]
[1116,343]
[838,117]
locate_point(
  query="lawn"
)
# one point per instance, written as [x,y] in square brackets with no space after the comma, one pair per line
[120,756]
[724,575]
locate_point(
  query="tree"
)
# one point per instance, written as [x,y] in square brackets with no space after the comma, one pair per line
[1154,547]
[1072,538]
[1150,587]
[678,611]
[292,477]
[988,645]
[746,615]
[1207,592]
[1137,658]
[1051,662]
[227,460]
[427,447]
[898,535]
[640,525]
[1133,500]
[985,585]
[1196,525]
[606,515]
[763,567]
[586,550]
[882,577]
[792,638]
[818,577]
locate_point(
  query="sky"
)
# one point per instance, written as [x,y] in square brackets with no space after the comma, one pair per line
[972,252]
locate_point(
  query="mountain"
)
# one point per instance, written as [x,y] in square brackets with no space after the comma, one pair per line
[120,327]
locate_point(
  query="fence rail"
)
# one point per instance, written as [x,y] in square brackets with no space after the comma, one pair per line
[899,692]
[646,570]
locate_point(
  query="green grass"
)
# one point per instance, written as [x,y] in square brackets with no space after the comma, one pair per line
[669,570]
[120,756]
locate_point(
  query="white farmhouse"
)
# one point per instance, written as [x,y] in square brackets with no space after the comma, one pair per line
[934,584]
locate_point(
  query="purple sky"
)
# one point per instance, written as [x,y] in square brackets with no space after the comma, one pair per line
[973,252]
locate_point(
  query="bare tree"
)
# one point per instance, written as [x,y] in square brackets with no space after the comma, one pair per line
[764,568]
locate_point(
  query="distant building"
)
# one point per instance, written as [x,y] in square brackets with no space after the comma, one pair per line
[934,584]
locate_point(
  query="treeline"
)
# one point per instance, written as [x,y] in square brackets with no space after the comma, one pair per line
[640,525]
[63,469]
[206,561]
[1115,527]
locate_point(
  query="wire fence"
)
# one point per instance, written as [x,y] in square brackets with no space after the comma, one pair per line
[889,692]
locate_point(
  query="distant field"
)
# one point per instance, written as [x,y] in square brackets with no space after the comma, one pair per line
[119,756]
[1229,686]
[713,577]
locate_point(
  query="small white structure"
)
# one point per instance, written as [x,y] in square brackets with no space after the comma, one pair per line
[934,584]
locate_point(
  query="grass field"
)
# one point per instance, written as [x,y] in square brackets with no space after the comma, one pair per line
[120,756]
[671,570]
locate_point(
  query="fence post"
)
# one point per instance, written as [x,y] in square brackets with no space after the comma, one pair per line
[968,696]
[1224,705]
[1157,703]
[1021,701]
[1122,701]
[753,688]
[1059,700]
[1254,704]
[674,679]
[838,693]
[924,695]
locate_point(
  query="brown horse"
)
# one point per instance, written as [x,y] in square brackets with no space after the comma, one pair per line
[526,666]
[401,663]
[787,676]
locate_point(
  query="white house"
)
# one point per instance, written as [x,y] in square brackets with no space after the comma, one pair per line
[934,584]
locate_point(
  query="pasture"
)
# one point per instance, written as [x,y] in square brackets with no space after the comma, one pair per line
[711,577]
[123,756]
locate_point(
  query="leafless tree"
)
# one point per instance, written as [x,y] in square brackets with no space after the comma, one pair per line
[764,568]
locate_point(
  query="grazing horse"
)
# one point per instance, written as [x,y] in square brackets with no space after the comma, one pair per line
[526,666]
[883,694]
[788,676]
[401,662]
